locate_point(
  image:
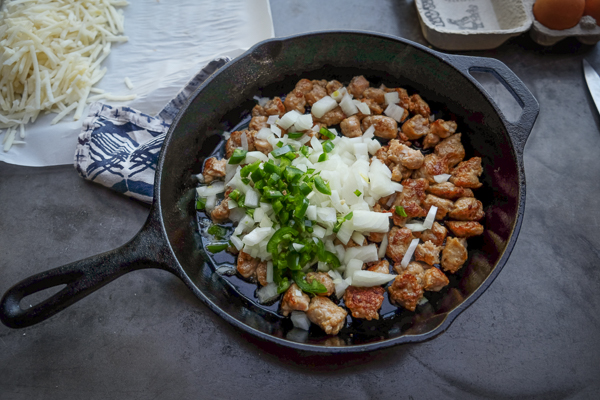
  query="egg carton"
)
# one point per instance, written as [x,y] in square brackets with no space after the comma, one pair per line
[486,24]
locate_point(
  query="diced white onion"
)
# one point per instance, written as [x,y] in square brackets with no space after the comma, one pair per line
[311,213]
[231,204]
[269,271]
[380,178]
[245,224]
[369,133]
[237,214]
[340,288]
[352,266]
[409,253]
[272,119]
[383,247]
[441,178]
[211,190]
[276,130]
[340,251]
[348,107]
[267,293]
[256,236]
[211,202]
[334,274]
[252,197]
[365,253]
[244,141]
[397,187]
[316,145]
[391,200]
[362,107]
[323,106]
[370,278]
[392,98]
[345,232]
[300,320]
[416,227]
[338,95]
[259,214]
[237,242]
[297,246]
[326,214]
[264,133]
[358,238]
[318,231]
[394,111]
[261,100]
[265,222]
[253,156]
[373,145]
[428,223]
[371,221]
[303,123]
[288,119]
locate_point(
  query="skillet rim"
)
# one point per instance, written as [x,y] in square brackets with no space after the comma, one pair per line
[451,315]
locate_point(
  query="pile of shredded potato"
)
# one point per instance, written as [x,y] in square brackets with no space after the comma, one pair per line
[50,57]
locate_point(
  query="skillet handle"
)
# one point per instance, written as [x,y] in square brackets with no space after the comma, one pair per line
[520,130]
[146,250]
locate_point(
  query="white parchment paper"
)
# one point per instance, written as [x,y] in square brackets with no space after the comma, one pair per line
[169,41]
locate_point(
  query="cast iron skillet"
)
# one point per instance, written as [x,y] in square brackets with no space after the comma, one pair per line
[170,239]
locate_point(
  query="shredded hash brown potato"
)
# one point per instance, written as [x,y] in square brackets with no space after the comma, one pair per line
[50,57]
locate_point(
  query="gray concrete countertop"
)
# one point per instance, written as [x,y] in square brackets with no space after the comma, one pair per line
[532,334]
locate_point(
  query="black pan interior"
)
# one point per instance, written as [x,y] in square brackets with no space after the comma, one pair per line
[272,69]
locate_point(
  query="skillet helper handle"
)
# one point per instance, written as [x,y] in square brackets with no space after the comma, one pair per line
[145,250]
[520,129]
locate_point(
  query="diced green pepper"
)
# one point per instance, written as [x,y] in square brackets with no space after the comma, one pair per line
[301,208]
[314,287]
[328,146]
[326,132]
[283,285]
[321,186]
[201,203]
[281,235]
[217,231]
[235,195]
[304,150]
[271,168]
[257,175]
[400,211]
[248,169]
[217,247]
[305,188]
[292,174]
[238,156]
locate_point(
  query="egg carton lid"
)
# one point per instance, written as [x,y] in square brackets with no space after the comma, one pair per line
[486,24]
[472,24]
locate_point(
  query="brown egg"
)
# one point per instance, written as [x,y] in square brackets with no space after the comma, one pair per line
[558,14]
[592,8]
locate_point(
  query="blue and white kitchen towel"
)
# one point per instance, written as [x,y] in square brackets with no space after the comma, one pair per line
[118,147]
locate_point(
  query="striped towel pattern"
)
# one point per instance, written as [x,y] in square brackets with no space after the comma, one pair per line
[118,147]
